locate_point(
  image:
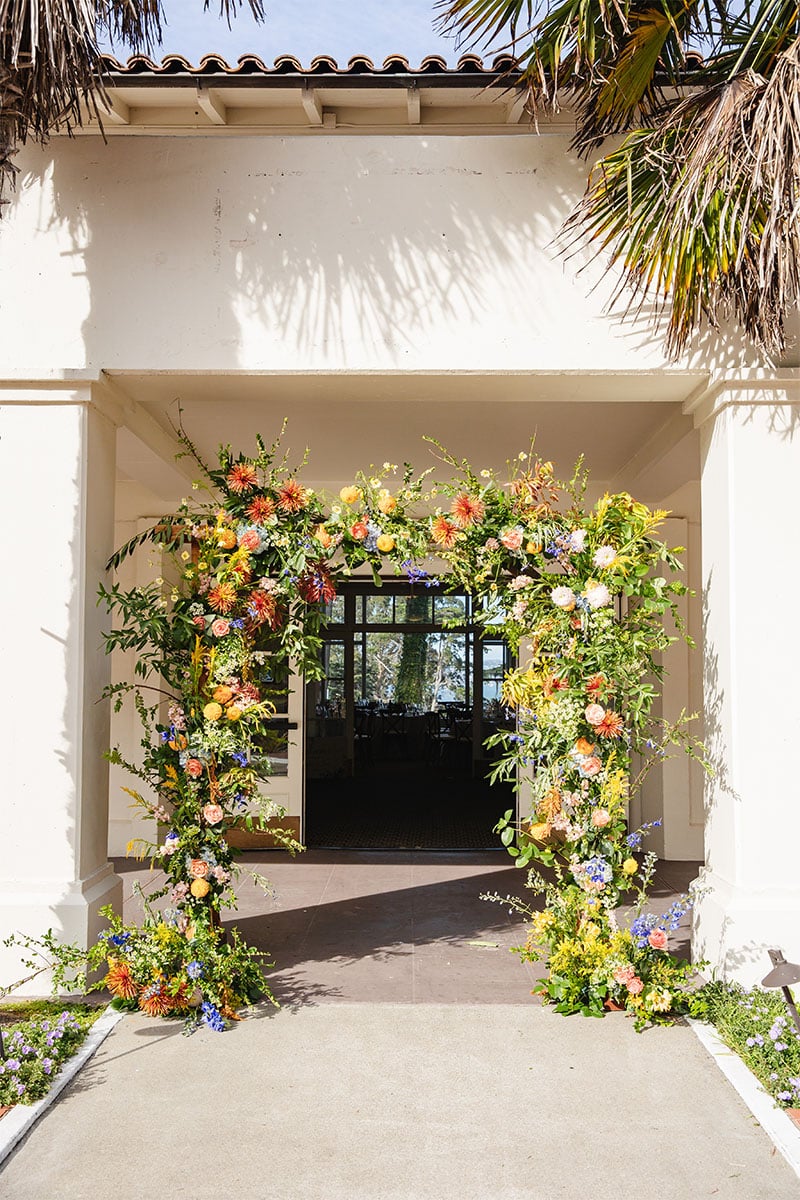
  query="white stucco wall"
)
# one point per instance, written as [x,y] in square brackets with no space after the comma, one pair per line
[370,252]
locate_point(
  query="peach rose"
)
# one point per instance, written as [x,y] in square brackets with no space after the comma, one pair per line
[634,986]
[386,503]
[212,813]
[194,768]
[359,531]
[250,539]
[591,766]
[220,627]
[350,495]
[594,713]
[511,538]
[198,868]
[624,974]
[600,818]
[658,939]
[199,622]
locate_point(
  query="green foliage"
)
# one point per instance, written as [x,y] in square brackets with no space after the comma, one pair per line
[757,1026]
[37,1042]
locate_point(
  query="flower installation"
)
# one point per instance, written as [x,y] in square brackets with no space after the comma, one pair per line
[254,560]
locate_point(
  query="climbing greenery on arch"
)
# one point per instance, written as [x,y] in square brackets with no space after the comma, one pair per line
[586,593]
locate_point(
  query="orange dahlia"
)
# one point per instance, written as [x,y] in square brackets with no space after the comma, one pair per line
[261,509]
[242,478]
[444,532]
[467,510]
[611,726]
[292,496]
[223,597]
[155,1000]
[120,981]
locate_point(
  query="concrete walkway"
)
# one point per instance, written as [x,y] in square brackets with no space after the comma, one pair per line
[400,1096]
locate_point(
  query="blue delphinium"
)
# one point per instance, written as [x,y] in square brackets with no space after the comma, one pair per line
[194,969]
[212,1017]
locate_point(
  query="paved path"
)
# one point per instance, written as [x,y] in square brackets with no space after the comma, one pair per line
[398,1070]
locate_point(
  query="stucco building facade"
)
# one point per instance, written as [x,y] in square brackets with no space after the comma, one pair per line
[373,254]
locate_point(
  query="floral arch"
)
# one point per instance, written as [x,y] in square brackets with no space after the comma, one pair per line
[587,591]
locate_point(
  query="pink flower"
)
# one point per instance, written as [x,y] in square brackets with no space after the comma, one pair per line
[179,892]
[220,627]
[594,713]
[250,540]
[199,622]
[600,818]
[591,766]
[491,544]
[212,813]
[624,975]
[658,939]
[220,874]
[198,868]
[194,768]
[634,985]
[512,538]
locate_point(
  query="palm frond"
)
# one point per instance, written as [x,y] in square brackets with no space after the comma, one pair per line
[702,211]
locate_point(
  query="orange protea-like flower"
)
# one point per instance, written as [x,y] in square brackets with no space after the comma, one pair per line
[261,509]
[242,478]
[467,510]
[316,584]
[120,981]
[155,1000]
[222,597]
[444,532]
[262,607]
[611,726]
[292,496]
[595,684]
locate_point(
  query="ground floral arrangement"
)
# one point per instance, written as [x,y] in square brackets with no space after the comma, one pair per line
[587,593]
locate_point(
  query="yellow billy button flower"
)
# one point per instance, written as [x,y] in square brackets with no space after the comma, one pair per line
[212,711]
[200,888]
[385,543]
[350,495]
[630,866]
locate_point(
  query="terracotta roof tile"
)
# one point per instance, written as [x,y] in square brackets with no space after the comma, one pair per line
[469,65]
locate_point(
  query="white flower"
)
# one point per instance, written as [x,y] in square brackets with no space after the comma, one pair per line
[563,597]
[598,595]
[577,540]
[519,582]
[604,556]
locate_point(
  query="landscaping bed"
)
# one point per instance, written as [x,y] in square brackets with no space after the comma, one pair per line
[39,1036]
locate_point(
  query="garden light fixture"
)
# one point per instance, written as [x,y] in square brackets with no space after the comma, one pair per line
[783,975]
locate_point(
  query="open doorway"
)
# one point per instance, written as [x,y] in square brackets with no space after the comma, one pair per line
[395,730]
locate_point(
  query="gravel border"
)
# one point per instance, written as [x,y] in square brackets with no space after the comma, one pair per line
[779,1127]
[22,1117]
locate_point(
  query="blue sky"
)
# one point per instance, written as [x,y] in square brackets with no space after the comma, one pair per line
[338,27]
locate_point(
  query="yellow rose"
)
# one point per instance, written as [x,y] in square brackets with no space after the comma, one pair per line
[350,495]
[385,543]
[233,713]
[212,711]
[200,888]
[630,866]
[386,503]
